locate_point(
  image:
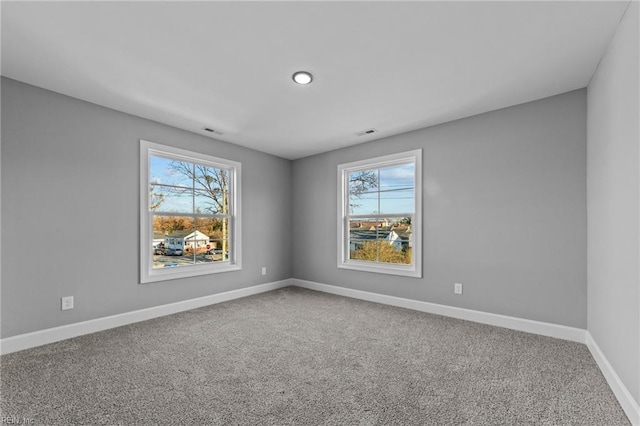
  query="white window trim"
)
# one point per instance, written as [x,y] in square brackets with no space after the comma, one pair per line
[414,270]
[147,273]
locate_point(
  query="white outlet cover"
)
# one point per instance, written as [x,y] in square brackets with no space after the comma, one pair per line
[264,270]
[67,303]
[457,288]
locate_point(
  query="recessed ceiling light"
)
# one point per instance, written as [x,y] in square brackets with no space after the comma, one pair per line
[302,77]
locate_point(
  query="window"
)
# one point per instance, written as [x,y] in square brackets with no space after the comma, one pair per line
[189,213]
[380,214]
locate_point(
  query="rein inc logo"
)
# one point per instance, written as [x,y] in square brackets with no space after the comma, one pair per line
[15,420]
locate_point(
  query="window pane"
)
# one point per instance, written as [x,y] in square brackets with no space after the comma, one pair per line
[170,172]
[212,190]
[363,236]
[397,189]
[397,246]
[218,238]
[381,240]
[170,199]
[363,195]
[170,235]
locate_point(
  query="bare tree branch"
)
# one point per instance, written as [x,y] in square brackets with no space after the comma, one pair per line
[359,183]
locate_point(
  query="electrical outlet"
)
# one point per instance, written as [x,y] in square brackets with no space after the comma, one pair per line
[264,270]
[67,303]
[457,288]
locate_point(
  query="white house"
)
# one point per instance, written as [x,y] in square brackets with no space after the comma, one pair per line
[186,239]
[399,238]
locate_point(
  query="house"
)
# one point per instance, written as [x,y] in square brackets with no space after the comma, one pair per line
[360,236]
[399,238]
[186,240]
[525,116]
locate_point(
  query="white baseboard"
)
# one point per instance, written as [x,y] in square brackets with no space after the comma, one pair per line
[529,326]
[629,405]
[55,334]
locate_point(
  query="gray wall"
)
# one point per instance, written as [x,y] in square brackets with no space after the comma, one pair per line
[70,221]
[613,184]
[504,213]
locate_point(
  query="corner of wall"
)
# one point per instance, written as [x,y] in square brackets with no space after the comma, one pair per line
[626,400]
[613,204]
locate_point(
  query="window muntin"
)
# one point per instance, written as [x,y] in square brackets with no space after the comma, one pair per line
[190,216]
[380,214]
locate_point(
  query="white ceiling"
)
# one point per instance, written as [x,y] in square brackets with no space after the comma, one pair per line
[392,66]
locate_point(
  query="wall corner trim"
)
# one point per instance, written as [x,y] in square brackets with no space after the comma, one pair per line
[55,334]
[628,403]
[519,324]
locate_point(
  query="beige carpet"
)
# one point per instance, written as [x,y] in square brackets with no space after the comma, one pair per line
[294,356]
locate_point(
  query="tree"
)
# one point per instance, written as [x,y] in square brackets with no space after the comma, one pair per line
[360,183]
[382,251]
[405,221]
[156,199]
[169,224]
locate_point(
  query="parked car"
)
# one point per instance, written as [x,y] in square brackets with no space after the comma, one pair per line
[158,250]
[174,252]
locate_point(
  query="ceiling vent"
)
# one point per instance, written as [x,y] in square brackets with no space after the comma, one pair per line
[212,130]
[367,132]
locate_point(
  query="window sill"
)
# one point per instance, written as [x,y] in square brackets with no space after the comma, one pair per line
[390,269]
[167,274]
